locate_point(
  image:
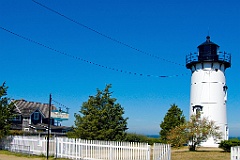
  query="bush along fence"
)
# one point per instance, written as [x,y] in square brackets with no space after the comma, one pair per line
[235,153]
[62,147]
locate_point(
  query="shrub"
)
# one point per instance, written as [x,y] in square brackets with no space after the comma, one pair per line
[151,141]
[133,137]
[227,144]
[16,132]
[72,134]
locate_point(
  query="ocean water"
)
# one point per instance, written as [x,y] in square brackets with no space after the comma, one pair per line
[234,138]
[153,136]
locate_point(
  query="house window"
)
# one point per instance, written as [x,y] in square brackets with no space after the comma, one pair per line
[36,115]
[17,118]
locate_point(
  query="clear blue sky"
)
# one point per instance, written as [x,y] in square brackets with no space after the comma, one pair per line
[167,29]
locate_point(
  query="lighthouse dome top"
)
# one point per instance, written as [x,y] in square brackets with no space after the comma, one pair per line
[207,42]
[208,52]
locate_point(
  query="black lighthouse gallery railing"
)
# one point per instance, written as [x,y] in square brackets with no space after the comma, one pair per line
[221,57]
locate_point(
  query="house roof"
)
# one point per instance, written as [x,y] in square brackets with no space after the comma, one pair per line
[26,108]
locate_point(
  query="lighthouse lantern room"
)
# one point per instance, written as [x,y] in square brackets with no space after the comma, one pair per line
[208,86]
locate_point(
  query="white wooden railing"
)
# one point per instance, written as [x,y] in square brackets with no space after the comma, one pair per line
[61,147]
[235,153]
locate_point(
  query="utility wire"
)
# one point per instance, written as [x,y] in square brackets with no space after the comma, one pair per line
[60,104]
[104,35]
[87,61]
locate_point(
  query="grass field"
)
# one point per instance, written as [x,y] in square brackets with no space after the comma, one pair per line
[6,155]
[200,154]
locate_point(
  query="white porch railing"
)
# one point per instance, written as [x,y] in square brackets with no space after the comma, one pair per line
[87,149]
[235,153]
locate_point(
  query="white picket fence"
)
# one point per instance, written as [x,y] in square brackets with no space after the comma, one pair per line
[34,145]
[161,151]
[88,149]
[235,153]
[98,150]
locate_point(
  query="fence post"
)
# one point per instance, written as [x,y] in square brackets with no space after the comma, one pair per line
[111,155]
[232,153]
[149,152]
[75,148]
[169,152]
[56,147]
[61,153]
[237,152]
[29,151]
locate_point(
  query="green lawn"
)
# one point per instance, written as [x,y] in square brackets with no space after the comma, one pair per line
[6,155]
[200,154]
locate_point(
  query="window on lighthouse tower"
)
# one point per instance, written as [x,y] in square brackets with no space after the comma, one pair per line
[197,109]
[225,91]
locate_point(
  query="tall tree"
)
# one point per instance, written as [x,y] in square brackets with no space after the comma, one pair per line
[101,118]
[196,130]
[6,112]
[173,118]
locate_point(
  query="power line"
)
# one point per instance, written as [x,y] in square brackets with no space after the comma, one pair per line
[87,61]
[60,104]
[104,35]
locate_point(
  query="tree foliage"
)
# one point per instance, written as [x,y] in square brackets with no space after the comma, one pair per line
[101,118]
[177,136]
[198,129]
[173,118]
[6,112]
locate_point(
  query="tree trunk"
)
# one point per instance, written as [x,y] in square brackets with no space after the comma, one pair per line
[192,147]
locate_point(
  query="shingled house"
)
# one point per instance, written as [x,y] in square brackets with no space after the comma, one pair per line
[33,117]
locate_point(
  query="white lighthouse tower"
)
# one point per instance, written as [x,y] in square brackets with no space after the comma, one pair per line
[208,86]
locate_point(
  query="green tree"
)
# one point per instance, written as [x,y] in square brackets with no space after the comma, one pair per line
[101,118]
[177,136]
[6,112]
[200,129]
[196,130]
[173,118]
